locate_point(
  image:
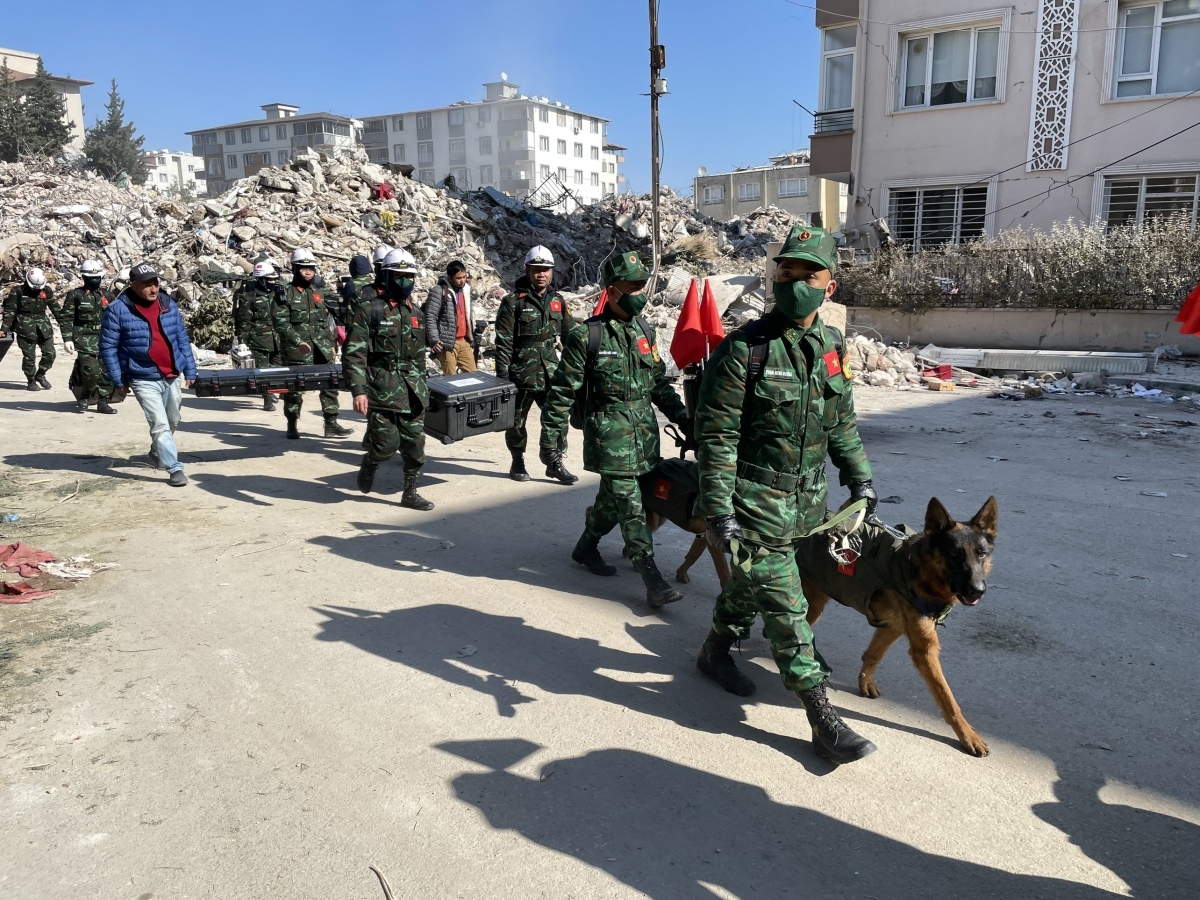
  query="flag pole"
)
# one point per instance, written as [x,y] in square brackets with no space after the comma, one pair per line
[658,87]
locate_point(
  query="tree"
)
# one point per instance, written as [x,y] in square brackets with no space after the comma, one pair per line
[46,129]
[12,116]
[111,146]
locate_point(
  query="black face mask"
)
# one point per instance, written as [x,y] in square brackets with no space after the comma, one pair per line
[267,284]
[399,285]
[91,284]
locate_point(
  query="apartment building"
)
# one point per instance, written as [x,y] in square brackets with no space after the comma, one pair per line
[22,66]
[169,172]
[786,183]
[957,118]
[528,147]
[242,149]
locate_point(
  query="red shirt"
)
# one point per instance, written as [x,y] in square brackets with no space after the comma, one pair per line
[462,316]
[160,350]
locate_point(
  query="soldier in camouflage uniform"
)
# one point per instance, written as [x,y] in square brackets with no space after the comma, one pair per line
[356,289]
[763,437]
[254,319]
[79,322]
[620,431]
[530,321]
[303,338]
[27,312]
[384,358]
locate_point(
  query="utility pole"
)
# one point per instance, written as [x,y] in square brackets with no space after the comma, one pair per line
[658,87]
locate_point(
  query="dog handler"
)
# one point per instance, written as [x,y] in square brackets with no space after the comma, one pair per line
[766,418]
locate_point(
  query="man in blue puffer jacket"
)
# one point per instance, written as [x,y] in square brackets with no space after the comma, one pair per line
[144,347]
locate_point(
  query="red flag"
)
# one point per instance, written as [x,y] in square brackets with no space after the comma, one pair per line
[1189,315]
[710,319]
[601,303]
[688,345]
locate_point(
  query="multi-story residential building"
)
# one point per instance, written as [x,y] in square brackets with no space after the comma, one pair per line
[786,183]
[527,147]
[169,172]
[22,66]
[964,117]
[241,149]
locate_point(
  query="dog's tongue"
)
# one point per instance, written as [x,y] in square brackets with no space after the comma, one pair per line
[968,602]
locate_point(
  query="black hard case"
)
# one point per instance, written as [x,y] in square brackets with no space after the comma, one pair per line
[5,343]
[277,380]
[467,404]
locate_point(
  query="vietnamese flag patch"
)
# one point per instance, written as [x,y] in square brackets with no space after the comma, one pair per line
[662,489]
[833,365]
[643,345]
[555,306]
[316,298]
[847,568]
[416,322]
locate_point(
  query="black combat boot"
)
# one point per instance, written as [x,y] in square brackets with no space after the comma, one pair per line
[268,403]
[587,554]
[104,407]
[556,470]
[411,498]
[366,475]
[517,470]
[81,406]
[832,738]
[32,386]
[715,662]
[43,381]
[293,429]
[335,429]
[658,592]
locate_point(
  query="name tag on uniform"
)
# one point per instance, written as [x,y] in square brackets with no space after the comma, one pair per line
[833,365]
[555,306]
[643,345]
[608,353]
[787,374]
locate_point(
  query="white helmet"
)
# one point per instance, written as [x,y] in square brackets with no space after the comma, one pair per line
[35,278]
[92,268]
[539,256]
[380,254]
[264,270]
[303,257]
[400,261]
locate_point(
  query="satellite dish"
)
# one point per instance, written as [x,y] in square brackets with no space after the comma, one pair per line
[702,171]
[504,76]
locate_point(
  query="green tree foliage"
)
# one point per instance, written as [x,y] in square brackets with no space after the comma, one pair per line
[12,117]
[46,129]
[112,146]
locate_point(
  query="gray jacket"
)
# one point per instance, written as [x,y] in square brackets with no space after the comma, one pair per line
[441,314]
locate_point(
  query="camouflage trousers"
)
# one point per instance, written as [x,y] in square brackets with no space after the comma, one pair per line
[389,430]
[619,501]
[517,437]
[88,380]
[264,355]
[294,400]
[29,347]
[766,582]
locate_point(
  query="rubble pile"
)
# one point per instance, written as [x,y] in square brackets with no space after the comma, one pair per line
[877,364]
[55,216]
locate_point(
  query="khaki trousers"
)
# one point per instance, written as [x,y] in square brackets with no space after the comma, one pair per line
[459,359]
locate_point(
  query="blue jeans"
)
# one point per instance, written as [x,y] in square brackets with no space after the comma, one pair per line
[161,401]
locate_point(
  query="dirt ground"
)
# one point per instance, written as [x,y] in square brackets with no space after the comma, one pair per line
[286,682]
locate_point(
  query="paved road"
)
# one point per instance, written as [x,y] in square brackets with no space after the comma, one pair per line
[286,682]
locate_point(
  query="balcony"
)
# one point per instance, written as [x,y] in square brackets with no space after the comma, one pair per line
[833,122]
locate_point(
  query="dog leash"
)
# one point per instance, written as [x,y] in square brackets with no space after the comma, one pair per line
[746,555]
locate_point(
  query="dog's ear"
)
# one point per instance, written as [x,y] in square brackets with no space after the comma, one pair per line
[936,517]
[985,519]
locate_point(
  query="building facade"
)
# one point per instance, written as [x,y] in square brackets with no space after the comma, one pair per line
[172,173]
[242,149]
[959,118]
[528,147]
[786,183]
[22,66]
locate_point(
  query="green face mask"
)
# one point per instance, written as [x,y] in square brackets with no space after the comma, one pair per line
[795,299]
[633,303]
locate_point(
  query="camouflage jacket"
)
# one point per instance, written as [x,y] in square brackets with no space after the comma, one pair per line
[384,355]
[620,430]
[29,314]
[301,318]
[80,318]
[527,327]
[354,292]
[762,452]
[253,315]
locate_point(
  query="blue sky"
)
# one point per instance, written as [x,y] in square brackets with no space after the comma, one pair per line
[733,69]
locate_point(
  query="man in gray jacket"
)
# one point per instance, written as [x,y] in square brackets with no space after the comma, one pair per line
[448,321]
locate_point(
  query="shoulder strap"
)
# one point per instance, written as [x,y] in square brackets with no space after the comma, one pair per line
[647,330]
[378,311]
[595,336]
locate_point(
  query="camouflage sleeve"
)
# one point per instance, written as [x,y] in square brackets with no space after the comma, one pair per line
[568,323]
[10,312]
[664,395]
[354,352]
[239,313]
[56,309]
[281,315]
[65,316]
[845,446]
[505,327]
[568,378]
[719,424]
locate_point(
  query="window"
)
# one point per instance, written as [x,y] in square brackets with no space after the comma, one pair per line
[485,146]
[231,137]
[1157,49]
[928,217]
[284,157]
[485,115]
[543,114]
[377,154]
[544,173]
[425,153]
[342,128]
[577,124]
[595,179]
[748,192]
[950,67]
[843,189]
[506,174]
[425,176]
[485,176]
[544,144]
[174,159]
[281,132]
[160,160]
[162,176]
[398,153]
[595,153]
[714,194]
[462,177]
[231,161]
[560,119]
[458,151]
[374,126]
[594,126]
[1131,199]
[397,123]
[191,168]
[562,174]
[208,138]
[579,176]
[456,117]
[562,147]
[793,187]
[837,67]
[247,135]
[424,122]
[579,151]
[214,166]
[264,133]
[255,159]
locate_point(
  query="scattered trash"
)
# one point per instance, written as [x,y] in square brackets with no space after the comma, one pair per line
[444,545]
[24,559]
[1154,493]
[466,651]
[898,452]
[1180,555]
[76,567]
[998,458]
[9,518]
[1085,412]
[1122,478]
[20,592]
[892,500]
[1096,745]
[959,491]
[1048,415]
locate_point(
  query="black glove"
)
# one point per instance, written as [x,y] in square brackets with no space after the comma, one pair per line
[502,374]
[865,490]
[721,529]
